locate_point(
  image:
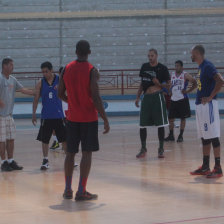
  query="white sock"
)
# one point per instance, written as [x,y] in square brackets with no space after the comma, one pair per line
[3,161]
[10,160]
[46,158]
[55,138]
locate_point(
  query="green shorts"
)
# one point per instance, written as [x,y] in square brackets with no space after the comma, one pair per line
[153,110]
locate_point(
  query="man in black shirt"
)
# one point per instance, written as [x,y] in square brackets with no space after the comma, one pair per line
[154,77]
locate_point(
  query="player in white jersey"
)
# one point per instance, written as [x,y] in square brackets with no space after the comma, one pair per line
[179,105]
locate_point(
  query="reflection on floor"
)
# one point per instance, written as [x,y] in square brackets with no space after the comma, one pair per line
[149,190]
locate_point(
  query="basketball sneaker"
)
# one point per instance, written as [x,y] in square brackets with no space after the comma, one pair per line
[6,167]
[201,171]
[85,196]
[142,153]
[180,138]
[170,138]
[216,173]
[68,194]
[45,164]
[55,145]
[160,153]
[15,166]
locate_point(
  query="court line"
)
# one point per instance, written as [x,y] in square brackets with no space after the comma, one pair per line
[191,220]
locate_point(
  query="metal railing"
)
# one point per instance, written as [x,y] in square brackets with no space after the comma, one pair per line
[119,80]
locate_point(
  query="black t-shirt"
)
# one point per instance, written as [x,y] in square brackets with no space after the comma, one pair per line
[147,73]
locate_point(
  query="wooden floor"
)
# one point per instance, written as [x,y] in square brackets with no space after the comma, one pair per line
[132,191]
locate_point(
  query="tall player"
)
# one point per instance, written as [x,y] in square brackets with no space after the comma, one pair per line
[154,77]
[80,81]
[209,83]
[179,105]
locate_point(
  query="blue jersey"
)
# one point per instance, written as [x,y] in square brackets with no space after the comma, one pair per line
[52,105]
[205,80]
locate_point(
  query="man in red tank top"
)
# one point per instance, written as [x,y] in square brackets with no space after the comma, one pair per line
[80,82]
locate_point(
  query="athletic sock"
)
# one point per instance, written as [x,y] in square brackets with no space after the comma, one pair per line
[55,138]
[181,132]
[3,161]
[46,158]
[143,135]
[217,162]
[68,183]
[206,161]
[10,160]
[82,185]
[161,135]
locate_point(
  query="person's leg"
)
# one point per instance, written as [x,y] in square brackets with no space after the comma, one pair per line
[10,151]
[161,135]
[89,143]
[55,143]
[4,163]
[143,137]
[3,151]
[170,137]
[205,168]
[45,150]
[145,115]
[182,127]
[44,135]
[10,148]
[85,166]
[68,169]
[217,171]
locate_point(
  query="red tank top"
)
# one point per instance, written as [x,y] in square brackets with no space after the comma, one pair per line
[77,83]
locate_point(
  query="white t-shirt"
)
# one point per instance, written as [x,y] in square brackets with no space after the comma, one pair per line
[64,107]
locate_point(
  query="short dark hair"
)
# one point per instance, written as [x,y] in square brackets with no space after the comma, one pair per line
[61,69]
[6,61]
[83,48]
[199,48]
[154,50]
[46,64]
[179,62]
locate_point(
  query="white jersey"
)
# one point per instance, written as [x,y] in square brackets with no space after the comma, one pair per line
[65,107]
[177,85]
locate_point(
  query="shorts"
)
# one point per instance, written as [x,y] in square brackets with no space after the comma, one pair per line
[208,121]
[46,129]
[179,109]
[153,110]
[84,132]
[7,128]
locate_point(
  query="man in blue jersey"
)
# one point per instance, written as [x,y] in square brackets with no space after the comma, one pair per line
[209,83]
[52,116]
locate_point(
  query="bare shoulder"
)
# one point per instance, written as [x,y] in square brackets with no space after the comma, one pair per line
[94,74]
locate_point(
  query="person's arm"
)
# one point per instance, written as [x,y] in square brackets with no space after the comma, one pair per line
[139,93]
[19,88]
[35,102]
[62,90]
[166,77]
[27,91]
[189,78]
[94,77]
[219,82]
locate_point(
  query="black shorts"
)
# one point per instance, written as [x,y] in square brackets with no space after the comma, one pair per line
[46,129]
[179,109]
[84,132]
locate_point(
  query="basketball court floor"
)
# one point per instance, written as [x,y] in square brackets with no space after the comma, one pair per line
[145,191]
